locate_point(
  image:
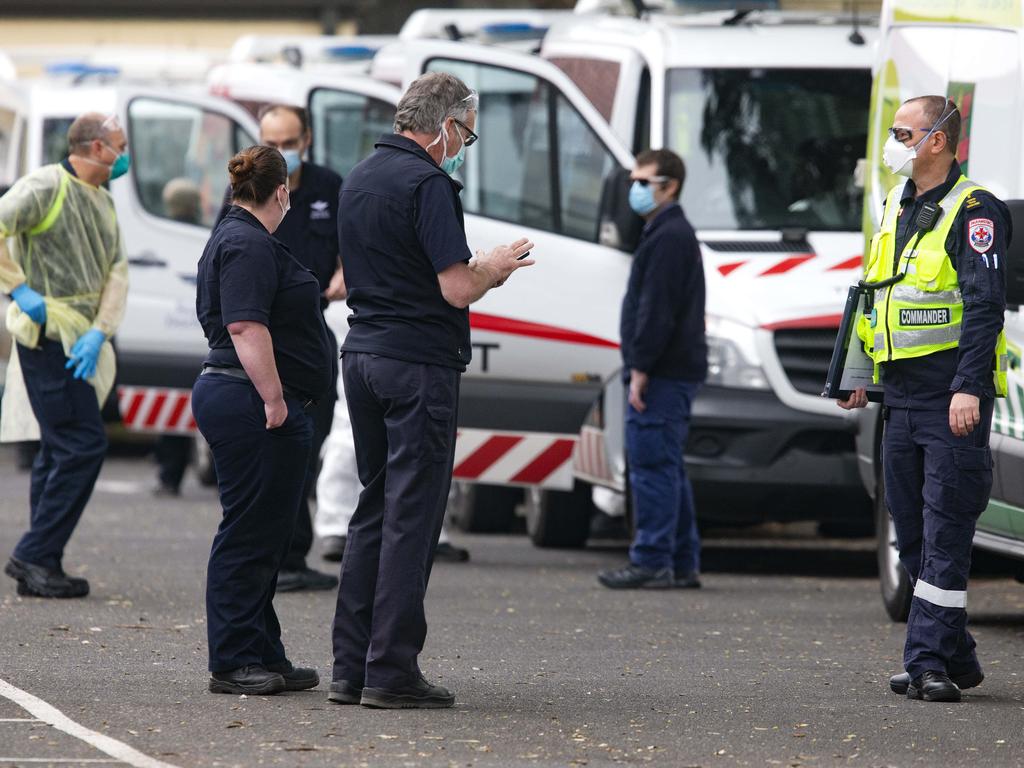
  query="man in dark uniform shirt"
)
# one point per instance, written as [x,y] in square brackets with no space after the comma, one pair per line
[940,366]
[310,231]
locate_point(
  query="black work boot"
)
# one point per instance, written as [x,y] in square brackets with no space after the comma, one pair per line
[344,692]
[37,581]
[933,686]
[253,679]
[305,579]
[419,695]
[898,684]
[636,577]
[686,579]
[295,678]
[333,548]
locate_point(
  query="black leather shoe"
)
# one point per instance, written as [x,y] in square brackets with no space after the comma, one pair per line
[295,678]
[933,686]
[37,581]
[305,580]
[635,577]
[333,548]
[686,580]
[419,695]
[898,684]
[344,692]
[449,553]
[253,680]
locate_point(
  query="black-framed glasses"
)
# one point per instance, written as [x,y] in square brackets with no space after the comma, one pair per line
[651,180]
[903,134]
[472,138]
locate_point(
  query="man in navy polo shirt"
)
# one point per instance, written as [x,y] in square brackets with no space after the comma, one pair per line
[310,231]
[410,278]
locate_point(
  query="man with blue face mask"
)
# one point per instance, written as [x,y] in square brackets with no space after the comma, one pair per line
[411,278]
[936,336]
[664,355]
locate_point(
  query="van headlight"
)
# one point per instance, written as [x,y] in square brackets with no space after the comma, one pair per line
[732,355]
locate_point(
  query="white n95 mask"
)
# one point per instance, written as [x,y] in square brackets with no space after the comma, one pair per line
[898,157]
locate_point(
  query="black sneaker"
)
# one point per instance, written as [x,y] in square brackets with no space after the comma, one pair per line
[37,581]
[252,680]
[305,580]
[419,695]
[686,580]
[333,548]
[449,553]
[295,678]
[344,692]
[899,684]
[635,577]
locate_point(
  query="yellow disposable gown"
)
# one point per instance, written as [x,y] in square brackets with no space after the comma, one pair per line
[60,235]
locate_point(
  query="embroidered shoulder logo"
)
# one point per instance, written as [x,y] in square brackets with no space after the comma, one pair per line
[980,233]
[319,209]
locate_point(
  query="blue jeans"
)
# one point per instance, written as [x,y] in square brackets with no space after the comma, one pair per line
[663,508]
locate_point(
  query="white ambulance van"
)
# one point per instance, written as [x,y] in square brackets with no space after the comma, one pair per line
[768,110]
[173,134]
[970,51]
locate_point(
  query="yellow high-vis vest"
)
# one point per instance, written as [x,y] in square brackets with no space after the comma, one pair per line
[923,312]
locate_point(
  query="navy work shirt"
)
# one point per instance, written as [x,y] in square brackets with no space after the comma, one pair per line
[310,229]
[247,275]
[662,324]
[980,263]
[400,224]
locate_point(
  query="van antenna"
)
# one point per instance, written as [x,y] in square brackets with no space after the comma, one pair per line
[453,32]
[855,36]
[640,8]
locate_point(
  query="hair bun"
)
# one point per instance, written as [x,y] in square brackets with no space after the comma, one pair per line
[241,168]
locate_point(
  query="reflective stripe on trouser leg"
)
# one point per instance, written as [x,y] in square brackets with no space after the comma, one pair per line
[946,598]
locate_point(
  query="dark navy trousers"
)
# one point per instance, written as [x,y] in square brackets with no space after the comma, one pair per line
[664,513]
[72,447]
[403,423]
[261,474]
[936,487]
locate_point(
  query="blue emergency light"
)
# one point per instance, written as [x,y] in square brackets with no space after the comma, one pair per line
[352,52]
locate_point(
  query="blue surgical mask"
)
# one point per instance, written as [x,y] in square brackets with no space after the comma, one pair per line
[292,159]
[121,165]
[641,198]
[449,164]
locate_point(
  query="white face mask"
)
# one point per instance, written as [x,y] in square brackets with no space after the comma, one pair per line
[285,206]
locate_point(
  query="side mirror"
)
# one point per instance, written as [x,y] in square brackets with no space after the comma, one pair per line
[1015,257]
[620,227]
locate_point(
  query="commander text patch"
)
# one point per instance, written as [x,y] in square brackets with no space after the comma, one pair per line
[924,316]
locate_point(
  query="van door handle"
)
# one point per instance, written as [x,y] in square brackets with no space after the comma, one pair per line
[146,259]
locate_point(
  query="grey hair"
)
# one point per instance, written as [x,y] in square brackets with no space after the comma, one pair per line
[430,100]
[90,127]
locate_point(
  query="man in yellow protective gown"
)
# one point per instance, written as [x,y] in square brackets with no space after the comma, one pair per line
[63,263]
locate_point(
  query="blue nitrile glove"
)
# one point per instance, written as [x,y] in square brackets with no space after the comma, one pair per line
[31,303]
[85,353]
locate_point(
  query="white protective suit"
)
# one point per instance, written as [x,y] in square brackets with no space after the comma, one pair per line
[60,235]
[338,487]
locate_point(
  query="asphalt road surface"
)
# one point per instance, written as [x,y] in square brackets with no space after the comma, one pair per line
[782,659]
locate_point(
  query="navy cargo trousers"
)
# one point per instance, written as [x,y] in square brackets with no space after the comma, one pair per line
[403,423]
[936,487]
[73,445]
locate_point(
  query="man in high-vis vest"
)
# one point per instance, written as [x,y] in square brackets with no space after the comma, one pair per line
[935,333]
[63,263]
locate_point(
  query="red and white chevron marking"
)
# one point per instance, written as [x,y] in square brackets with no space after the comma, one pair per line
[767,267]
[156,409]
[590,461]
[507,458]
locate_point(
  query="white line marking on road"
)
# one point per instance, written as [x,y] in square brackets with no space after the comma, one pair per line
[52,760]
[19,720]
[120,487]
[54,717]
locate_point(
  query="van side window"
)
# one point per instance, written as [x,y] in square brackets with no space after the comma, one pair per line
[55,139]
[597,79]
[187,145]
[345,127]
[537,163]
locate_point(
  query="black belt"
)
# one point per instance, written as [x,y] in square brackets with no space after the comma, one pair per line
[239,373]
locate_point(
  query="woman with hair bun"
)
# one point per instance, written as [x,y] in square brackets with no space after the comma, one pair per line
[270,359]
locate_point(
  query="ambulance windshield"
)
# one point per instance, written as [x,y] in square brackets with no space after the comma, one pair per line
[770,148]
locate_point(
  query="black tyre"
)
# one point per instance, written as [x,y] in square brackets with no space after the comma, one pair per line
[559,519]
[892,576]
[484,508]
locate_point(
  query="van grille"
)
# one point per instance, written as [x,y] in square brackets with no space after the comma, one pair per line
[805,354]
